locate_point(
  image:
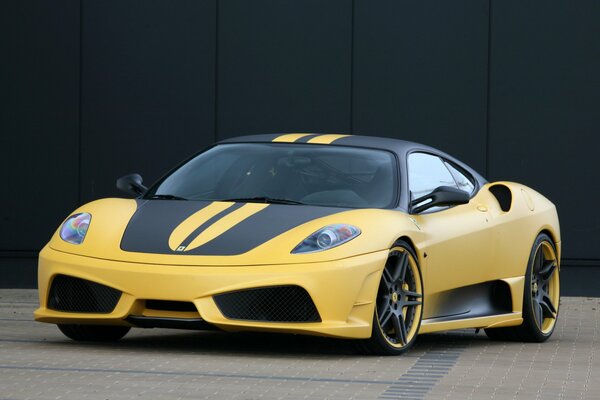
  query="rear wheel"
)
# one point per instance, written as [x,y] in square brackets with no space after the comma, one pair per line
[94,333]
[541,296]
[399,305]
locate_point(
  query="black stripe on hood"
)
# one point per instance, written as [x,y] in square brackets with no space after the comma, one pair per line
[151,226]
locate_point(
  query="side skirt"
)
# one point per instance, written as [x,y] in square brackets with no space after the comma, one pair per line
[489,304]
[495,321]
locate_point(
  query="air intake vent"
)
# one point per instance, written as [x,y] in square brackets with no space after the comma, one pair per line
[503,195]
[270,304]
[79,295]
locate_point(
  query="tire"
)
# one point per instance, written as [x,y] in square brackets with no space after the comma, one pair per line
[541,296]
[94,333]
[399,304]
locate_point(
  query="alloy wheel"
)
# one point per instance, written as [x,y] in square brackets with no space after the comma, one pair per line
[545,287]
[400,298]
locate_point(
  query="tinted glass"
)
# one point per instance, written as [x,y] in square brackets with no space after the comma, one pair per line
[311,174]
[425,173]
[461,179]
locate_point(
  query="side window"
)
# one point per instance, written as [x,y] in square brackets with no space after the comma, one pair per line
[463,182]
[425,173]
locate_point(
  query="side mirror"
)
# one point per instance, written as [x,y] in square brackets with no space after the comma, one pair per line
[441,196]
[132,183]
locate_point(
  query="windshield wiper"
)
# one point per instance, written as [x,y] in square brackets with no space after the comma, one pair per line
[165,197]
[264,199]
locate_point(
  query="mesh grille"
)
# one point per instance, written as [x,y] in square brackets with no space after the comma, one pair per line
[78,295]
[271,304]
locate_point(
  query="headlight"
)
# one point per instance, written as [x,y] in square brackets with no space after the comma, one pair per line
[326,238]
[75,228]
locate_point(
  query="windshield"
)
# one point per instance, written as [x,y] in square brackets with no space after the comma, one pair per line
[321,175]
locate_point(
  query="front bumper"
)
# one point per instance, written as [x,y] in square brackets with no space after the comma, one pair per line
[343,291]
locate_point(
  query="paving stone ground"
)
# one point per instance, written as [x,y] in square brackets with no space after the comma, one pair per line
[37,362]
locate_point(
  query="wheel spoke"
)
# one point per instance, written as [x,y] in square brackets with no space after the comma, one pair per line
[387,277]
[401,266]
[548,309]
[403,333]
[412,303]
[538,261]
[546,303]
[383,304]
[539,314]
[404,267]
[385,316]
[412,294]
[547,270]
[397,329]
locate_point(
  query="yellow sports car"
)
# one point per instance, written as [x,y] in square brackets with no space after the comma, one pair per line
[346,236]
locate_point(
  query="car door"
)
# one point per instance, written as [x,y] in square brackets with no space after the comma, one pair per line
[457,240]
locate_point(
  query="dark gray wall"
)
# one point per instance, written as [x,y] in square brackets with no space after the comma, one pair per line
[39,129]
[420,73]
[92,90]
[544,122]
[147,87]
[283,66]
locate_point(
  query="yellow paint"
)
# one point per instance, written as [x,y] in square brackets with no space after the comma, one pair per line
[226,223]
[334,297]
[496,321]
[326,139]
[464,246]
[319,139]
[194,221]
[111,217]
[291,137]
[528,200]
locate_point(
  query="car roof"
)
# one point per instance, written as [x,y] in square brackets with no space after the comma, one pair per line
[395,145]
[402,148]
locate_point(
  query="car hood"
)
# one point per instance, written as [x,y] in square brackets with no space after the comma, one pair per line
[222,233]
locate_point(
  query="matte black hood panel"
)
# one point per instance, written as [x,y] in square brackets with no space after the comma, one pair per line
[154,221]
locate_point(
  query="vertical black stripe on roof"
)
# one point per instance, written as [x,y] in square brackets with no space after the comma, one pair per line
[305,139]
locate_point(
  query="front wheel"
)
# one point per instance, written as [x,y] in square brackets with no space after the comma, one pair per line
[94,333]
[399,304]
[541,296]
